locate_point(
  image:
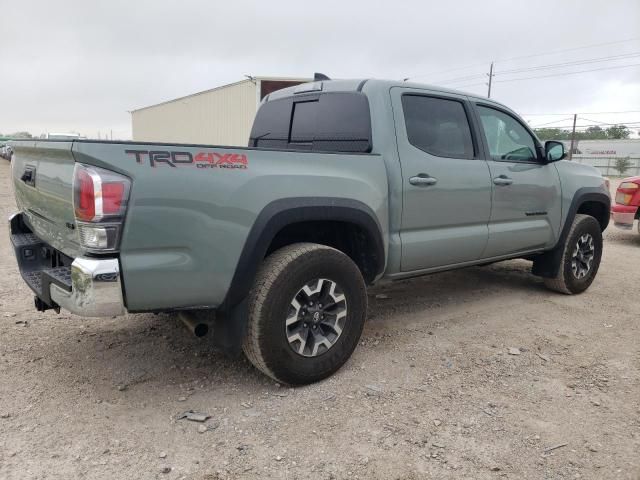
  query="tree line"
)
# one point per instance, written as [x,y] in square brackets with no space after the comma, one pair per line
[615,132]
[16,135]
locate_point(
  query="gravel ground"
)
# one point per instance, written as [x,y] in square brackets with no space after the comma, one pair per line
[479,373]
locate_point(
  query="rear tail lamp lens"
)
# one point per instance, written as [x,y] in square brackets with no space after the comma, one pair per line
[100,203]
[628,186]
[625,192]
[112,197]
[85,196]
[623,198]
[99,194]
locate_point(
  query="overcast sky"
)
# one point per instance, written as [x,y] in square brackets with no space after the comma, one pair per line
[82,65]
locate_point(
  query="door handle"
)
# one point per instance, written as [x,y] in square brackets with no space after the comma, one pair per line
[29,176]
[423,180]
[502,180]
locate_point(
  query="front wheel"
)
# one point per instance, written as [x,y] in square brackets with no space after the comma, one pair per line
[306,312]
[581,256]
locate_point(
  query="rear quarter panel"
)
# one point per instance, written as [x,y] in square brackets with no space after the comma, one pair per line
[187,225]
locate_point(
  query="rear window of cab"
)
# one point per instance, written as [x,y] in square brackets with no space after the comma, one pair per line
[325,122]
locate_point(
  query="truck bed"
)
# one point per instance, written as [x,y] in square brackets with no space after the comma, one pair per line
[188,205]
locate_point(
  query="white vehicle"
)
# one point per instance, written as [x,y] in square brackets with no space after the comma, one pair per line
[63,136]
[6,151]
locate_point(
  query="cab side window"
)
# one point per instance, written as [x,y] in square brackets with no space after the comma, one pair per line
[437,126]
[506,137]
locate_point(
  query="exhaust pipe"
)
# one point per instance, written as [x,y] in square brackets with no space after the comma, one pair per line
[194,323]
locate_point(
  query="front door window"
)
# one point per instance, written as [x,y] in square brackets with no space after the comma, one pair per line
[506,137]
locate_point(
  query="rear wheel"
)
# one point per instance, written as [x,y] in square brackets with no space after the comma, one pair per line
[580,258]
[306,313]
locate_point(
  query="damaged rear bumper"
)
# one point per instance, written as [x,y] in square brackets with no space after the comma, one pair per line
[86,286]
[623,215]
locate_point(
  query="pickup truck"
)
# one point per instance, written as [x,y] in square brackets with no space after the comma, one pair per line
[344,184]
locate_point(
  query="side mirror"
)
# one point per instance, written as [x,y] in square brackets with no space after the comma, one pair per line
[553,151]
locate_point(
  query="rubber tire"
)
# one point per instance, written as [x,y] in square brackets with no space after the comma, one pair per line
[565,282]
[279,278]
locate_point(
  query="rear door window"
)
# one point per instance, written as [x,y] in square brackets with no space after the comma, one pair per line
[438,126]
[327,122]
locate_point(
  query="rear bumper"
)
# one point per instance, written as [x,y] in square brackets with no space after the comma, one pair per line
[623,215]
[90,287]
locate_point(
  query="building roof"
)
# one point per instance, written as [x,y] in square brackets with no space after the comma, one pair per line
[248,79]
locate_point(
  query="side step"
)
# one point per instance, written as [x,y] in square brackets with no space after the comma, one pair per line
[39,280]
[25,240]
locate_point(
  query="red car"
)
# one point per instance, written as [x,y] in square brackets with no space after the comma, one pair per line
[624,210]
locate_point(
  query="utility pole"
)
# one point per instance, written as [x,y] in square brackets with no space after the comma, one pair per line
[490,78]
[573,135]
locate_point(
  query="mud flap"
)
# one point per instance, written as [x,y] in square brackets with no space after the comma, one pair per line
[229,329]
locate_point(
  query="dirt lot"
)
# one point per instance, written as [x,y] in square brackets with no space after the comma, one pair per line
[432,391]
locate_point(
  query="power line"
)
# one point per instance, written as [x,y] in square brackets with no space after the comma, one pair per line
[459,79]
[528,56]
[568,64]
[555,121]
[544,67]
[568,73]
[469,85]
[570,49]
[582,113]
[451,70]
[595,121]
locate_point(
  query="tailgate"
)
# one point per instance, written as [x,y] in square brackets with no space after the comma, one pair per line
[42,178]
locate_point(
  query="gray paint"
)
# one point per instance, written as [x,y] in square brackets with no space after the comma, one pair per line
[186,226]
[431,235]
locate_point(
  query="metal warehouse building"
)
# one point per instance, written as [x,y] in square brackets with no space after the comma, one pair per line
[220,116]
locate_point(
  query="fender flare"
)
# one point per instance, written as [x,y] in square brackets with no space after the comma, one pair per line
[548,263]
[286,211]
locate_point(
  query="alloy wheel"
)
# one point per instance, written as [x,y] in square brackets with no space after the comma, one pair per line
[316,317]
[582,257]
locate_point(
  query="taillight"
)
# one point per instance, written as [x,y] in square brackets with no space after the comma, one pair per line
[112,197]
[85,204]
[625,192]
[100,202]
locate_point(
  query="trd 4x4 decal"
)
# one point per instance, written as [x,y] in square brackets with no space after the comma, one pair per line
[201,159]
